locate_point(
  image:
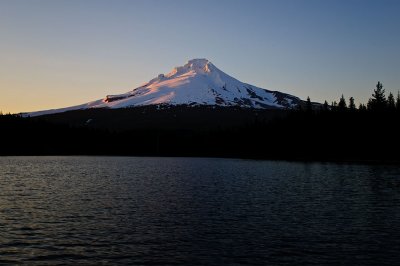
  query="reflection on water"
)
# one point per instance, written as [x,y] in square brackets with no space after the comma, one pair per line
[113,210]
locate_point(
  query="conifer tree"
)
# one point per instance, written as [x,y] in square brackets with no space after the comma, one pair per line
[390,102]
[362,107]
[342,103]
[308,105]
[352,105]
[325,107]
[398,101]
[378,101]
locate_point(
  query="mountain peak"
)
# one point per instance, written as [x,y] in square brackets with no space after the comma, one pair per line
[197,63]
[198,82]
[200,65]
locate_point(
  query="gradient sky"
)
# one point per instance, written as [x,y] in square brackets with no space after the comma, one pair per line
[60,53]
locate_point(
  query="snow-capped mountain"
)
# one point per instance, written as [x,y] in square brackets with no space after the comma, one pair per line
[198,82]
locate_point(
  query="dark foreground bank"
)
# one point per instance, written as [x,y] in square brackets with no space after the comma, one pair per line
[320,135]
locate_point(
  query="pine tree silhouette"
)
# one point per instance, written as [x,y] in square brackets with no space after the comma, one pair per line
[352,105]
[342,104]
[398,101]
[390,102]
[308,105]
[325,107]
[378,101]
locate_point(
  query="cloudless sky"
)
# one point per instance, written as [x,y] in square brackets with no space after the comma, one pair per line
[56,53]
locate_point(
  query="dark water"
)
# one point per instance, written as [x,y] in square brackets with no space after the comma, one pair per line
[160,211]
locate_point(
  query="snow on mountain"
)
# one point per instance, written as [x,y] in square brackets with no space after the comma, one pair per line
[198,82]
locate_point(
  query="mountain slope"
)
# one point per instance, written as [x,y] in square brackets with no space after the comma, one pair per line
[198,82]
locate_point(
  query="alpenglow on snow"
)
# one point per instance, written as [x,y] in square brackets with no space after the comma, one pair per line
[196,83]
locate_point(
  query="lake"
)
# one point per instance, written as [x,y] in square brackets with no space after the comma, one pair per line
[197,211]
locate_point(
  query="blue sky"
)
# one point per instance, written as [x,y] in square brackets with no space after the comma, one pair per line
[61,53]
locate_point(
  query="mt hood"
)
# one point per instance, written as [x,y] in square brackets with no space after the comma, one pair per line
[198,82]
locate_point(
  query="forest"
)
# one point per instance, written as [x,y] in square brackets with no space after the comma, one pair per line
[340,132]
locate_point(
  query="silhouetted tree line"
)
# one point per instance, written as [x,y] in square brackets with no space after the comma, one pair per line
[378,103]
[336,132]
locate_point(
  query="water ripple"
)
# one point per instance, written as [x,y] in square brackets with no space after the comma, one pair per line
[194,211]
